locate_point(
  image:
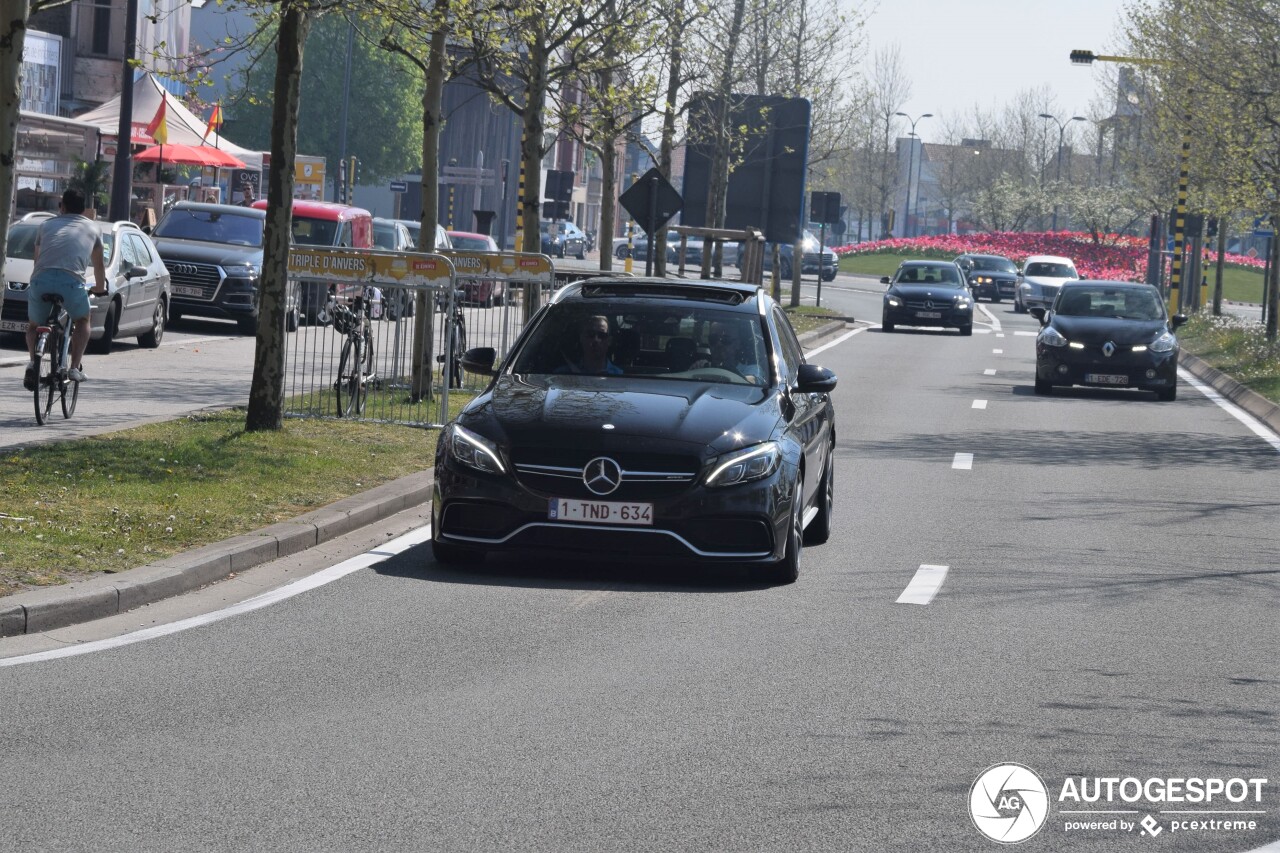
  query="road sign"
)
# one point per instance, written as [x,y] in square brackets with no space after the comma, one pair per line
[651,201]
[399,186]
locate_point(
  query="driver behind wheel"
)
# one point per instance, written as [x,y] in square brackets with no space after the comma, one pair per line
[726,354]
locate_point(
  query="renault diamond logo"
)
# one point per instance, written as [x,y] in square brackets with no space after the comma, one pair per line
[1108,349]
[602,475]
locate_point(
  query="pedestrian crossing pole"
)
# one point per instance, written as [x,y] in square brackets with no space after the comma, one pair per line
[451,226]
[1180,222]
[520,201]
[631,229]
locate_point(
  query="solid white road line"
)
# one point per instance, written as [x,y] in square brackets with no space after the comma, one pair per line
[979,404]
[988,372]
[995,321]
[838,340]
[963,462]
[1273,847]
[1255,426]
[997,352]
[329,575]
[924,585]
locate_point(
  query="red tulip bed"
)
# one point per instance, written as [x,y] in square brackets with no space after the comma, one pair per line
[1114,257]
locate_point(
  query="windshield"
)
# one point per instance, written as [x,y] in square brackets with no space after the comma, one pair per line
[384,236]
[314,232]
[212,227]
[472,244]
[686,343]
[942,275]
[995,264]
[1124,303]
[1049,270]
[22,242]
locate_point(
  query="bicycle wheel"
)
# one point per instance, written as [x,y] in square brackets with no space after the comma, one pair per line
[350,385]
[68,392]
[46,380]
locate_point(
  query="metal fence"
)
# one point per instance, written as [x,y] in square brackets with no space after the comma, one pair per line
[471,300]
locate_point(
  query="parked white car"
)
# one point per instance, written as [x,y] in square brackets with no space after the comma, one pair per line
[137,303]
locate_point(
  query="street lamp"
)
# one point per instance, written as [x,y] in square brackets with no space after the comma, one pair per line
[1062,132]
[906,208]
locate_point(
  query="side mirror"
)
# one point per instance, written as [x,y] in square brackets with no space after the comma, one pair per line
[1039,313]
[1177,320]
[480,360]
[135,271]
[884,279]
[813,379]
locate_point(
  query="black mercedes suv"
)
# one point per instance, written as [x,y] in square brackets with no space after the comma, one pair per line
[643,419]
[214,255]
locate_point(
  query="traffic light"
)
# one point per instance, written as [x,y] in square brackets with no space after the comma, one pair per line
[1211,227]
[1082,57]
[559,185]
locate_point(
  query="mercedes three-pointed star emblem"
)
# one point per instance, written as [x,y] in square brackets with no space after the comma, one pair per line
[1108,349]
[602,475]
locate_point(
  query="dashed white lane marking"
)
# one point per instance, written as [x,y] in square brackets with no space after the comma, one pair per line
[1255,426]
[924,585]
[979,404]
[997,352]
[1026,334]
[266,599]
[999,334]
[988,372]
[963,462]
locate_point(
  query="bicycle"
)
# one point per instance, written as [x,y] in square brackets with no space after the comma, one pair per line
[356,363]
[455,341]
[54,338]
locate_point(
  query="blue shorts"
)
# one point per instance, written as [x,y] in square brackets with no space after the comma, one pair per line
[75,299]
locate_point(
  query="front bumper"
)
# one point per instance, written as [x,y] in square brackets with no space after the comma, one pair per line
[1090,367]
[912,315]
[738,524]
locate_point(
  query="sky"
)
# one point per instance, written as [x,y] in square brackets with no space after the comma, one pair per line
[959,54]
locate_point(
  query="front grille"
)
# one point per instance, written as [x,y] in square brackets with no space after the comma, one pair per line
[645,477]
[733,535]
[203,277]
[928,305]
[14,309]
[626,543]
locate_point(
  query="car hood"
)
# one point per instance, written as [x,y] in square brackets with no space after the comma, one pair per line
[570,411]
[998,275]
[18,270]
[200,251]
[927,291]
[1046,281]
[1099,330]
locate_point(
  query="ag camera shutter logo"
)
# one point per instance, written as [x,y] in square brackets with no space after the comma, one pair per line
[1009,803]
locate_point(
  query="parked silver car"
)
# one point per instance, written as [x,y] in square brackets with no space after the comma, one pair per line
[137,303]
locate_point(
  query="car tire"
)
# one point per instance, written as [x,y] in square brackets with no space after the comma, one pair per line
[787,570]
[448,554]
[1167,395]
[582,254]
[1043,388]
[151,338]
[784,270]
[621,252]
[291,321]
[966,331]
[102,346]
[995,299]
[819,530]
[886,326]
[1018,307]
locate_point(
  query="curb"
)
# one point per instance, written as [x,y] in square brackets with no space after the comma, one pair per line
[107,595]
[1251,401]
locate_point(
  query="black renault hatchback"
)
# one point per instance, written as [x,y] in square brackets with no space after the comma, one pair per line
[642,419]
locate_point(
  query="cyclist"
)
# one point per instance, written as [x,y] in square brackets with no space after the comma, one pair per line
[66,246]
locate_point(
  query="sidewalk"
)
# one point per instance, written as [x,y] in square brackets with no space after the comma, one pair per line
[49,608]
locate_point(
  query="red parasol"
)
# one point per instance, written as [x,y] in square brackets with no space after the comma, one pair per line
[190,155]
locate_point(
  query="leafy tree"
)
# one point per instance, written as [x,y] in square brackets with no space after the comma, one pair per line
[384,108]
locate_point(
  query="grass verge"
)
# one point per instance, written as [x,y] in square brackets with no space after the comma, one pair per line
[806,318]
[1237,347]
[118,501]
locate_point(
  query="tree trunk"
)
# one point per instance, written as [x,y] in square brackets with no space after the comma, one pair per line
[718,180]
[432,99]
[12,38]
[266,395]
[535,94]
[1273,286]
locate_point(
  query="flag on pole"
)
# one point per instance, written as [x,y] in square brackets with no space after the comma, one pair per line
[159,127]
[215,121]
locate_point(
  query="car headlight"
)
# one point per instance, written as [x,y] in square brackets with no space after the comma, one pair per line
[962,302]
[981,279]
[1051,337]
[892,302]
[473,450]
[1164,343]
[242,270]
[753,463]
